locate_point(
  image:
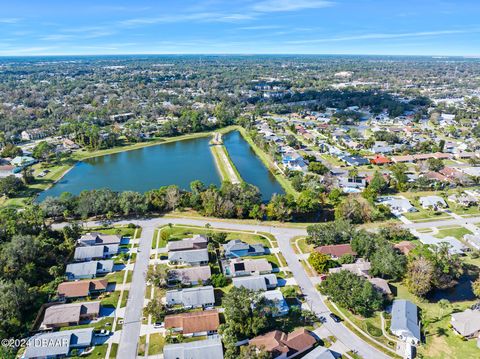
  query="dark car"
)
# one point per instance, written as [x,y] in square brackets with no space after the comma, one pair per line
[335,318]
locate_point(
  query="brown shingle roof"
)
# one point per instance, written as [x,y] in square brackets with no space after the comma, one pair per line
[405,247]
[277,342]
[336,250]
[81,288]
[194,322]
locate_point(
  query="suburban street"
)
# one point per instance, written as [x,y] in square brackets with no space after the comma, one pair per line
[133,315]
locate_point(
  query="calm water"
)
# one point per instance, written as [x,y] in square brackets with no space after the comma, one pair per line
[251,168]
[177,163]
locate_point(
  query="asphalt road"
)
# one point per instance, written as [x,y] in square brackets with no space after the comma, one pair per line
[133,315]
[132,321]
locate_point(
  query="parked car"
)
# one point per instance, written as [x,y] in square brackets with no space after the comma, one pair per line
[103,333]
[159,325]
[335,318]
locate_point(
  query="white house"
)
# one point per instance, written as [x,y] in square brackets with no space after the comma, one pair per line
[405,324]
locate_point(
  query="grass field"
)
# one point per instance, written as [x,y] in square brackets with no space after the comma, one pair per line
[457,232]
[156,344]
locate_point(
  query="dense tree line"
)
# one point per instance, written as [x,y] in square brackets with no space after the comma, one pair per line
[227,201]
[32,262]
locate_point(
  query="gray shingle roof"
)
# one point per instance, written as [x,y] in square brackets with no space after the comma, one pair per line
[201,349]
[259,282]
[189,256]
[91,268]
[238,245]
[191,297]
[95,251]
[61,342]
[405,318]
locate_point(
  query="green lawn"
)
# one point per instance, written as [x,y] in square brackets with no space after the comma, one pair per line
[113,351]
[423,214]
[99,352]
[104,323]
[121,230]
[142,345]
[457,232]
[156,344]
[181,232]
[111,299]
[117,277]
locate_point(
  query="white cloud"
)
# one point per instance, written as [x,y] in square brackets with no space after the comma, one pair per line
[290,5]
[11,20]
[379,36]
[199,17]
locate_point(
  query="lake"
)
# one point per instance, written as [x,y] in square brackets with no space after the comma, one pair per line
[251,168]
[179,162]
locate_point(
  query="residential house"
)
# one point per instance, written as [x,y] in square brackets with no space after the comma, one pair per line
[194,323]
[380,160]
[191,297]
[281,306]
[405,247]
[23,161]
[405,324]
[293,161]
[362,268]
[33,134]
[88,270]
[210,348]
[189,276]
[464,199]
[257,282]
[320,353]
[196,242]
[381,147]
[193,257]
[238,267]
[397,204]
[80,289]
[95,252]
[236,248]
[95,239]
[466,323]
[285,346]
[355,160]
[7,170]
[65,341]
[336,250]
[433,202]
[64,315]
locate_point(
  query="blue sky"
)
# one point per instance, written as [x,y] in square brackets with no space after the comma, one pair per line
[402,27]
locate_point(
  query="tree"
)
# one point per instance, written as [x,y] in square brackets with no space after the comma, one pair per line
[318,168]
[352,292]
[399,171]
[10,150]
[218,280]
[336,232]
[11,186]
[419,276]
[43,151]
[252,352]
[354,208]
[132,203]
[158,275]
[476,288]
[172,197]
[387,262]
[319,261]
[435,164]
[156,309]
[378,184]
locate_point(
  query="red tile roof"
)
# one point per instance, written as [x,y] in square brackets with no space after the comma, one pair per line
[336,250]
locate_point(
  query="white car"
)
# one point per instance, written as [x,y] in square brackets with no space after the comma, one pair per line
[159,325]
[103,333]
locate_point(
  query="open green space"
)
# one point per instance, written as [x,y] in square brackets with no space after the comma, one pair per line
[156,344]
[457,232]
